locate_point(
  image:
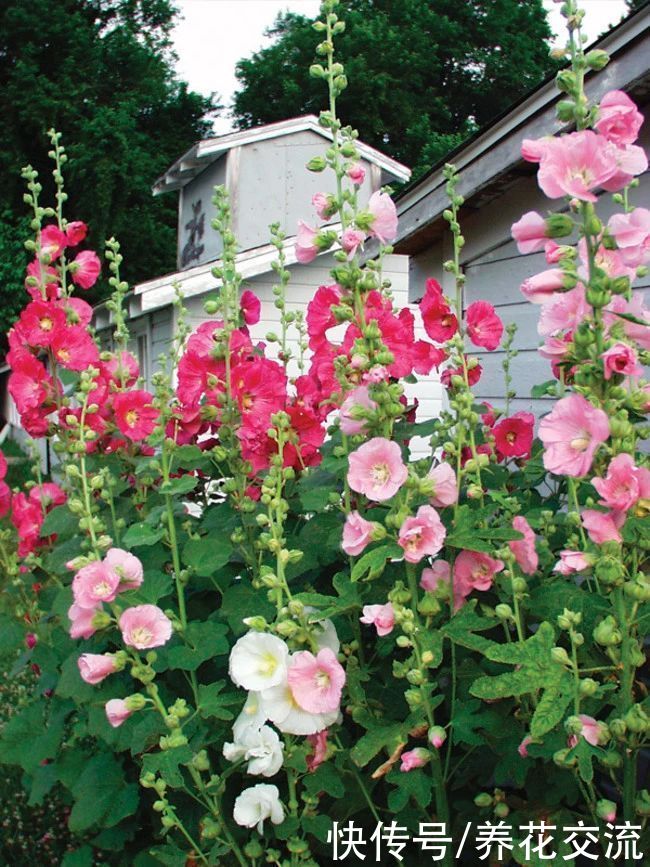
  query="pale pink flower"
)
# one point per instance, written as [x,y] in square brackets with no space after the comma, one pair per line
[542,287]
[438,573]
[563,311]
[619,120]
[530,233]
[377,469]
[484,327]
[322,203]
[630,161]
[306,246]
[94,667]
[524,549]
[571,562]
[412,759]
[319,754]
[590,731]
[522,749]
[532,150]
[145,626]
[624,485]
[351,240]
[117,711]
[473,570]
[422,535]
[576,164]
[635,331]
[384,224]
[445,491]
[620,359]
[316,682]
[609,261]
[554,348]
[127,566]
[382,617]
[94,584]
[571,434]
[632,235]
[553,252]
[359,396]
[357,534]
[356,173]
[602,526]
[81,620]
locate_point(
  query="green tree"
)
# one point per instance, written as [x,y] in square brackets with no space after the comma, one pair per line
[101,72]
[423,73]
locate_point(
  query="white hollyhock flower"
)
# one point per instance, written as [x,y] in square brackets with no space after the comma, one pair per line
[252,716]
[258,661]
[261,747]
[256,804]
[284,712]
[325,633]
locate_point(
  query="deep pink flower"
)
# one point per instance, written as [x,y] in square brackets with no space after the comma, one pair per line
[571,434]
[524,549]
[319,314]
[47,495]
[624,485]
[75,232]
[319,754]
[5,499]
[484,327]
[85,269]
[356,173]
[3,466]
[94,667]
[81,621]
[530,233]
[426,356]
[445,491]
[571,562]
[117,711]
[412,759]
[358,397]
[513,436]
[542,287]
[439,322]
[145,626]
[377,469]
[94,584]
[127,566]
[576,164]
[316,682]
[438,573]
[422,535]
[135,415]
[473,570]
[122,368]
[632,235]
[41,321]
[52,242]
[382,617]
[620,359]
[351,240]
[306,246]
[602,526]
[619,120]
[357,534]
[384,224]
[74,348]
[250,307]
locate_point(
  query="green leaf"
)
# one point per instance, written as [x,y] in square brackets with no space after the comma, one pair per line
[462,627]
[167,763]
[60,521]
[207,554]
[544,388]
[155,586]
[371,564]
[214,702]
[34,734]
[142,534]
[326,779]
[241,600]
[203,640]
[368,745]
[169,855]
[102,795]
[416,784]
[83,857]
[11,634]
[552,705]
[178,486]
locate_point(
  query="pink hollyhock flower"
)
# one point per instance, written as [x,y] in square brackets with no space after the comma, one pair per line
[439,322]
[553,252]
[135,415]
[606,810]
[127,567]
[306,246]
[316,682]
[323,205]
[574,165]
[630,161]
[122,368]
[3,466]
[377,469]
[620,359]
[563,311]
[85,269]
[75,233]
[94,584]
[426,356]
[632,235]
[382,617]
[81,620]
[94,667]
[250,306]
[356,173]
[48,495]
[41,321]
[473,570]
[260,388]
[360,397]
[145,626]
[117,711]
[522,749]
[542,287]
[619,120]
[634,331]
[412,759]
[602,526]
[624,484]
[555,348]
[422,535]
[319,746]
[52,242]
[514,435]
[571,434]
[5,499]
[532,150]
[384,224]
[590,731]
[357,534]
[351,240]
[484,327]
[571,562]
[74,348]
[319,313]
[609,261]
[530,233]
[438,573]
[445,492]
[437,736]
[524,549]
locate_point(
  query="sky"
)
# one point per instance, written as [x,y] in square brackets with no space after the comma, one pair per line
[212,35]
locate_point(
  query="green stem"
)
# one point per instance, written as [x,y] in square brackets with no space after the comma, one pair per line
[626,700]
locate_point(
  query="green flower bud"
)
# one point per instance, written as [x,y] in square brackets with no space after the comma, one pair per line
[501,810]
[559,225]
[504,612]
[607,633]
[606,810]
[637,720]
[588,687]
[618,728]
[483,799]
[642,803]
[200,761]
[597,59]
[612,759]
[559,655]
[317,164]
[566,80]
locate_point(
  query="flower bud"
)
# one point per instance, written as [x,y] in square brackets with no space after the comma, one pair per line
[642,803]
[559,654]
[317,164]
[606,810]
[597,59]
[437,736]
[501,810]
[588,687]
[483,799]
[559,225]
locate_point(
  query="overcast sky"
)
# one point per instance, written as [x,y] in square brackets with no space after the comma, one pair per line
[212,35]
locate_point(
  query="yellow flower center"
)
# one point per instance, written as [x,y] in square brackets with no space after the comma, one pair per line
[267,664]
[141,635]
[380,475]
[581,442]
[132,418]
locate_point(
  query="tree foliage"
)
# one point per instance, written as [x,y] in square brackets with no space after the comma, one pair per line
[460,65]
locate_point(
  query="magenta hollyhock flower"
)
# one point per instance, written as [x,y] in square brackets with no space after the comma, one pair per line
[624,485]
[74,348]
[52,242]
[145,626]
[117,711]
[632,235]
[94,667]
[412,759]
[356,173]
[590,731]
[122,366]
[575,164]
[319,746]
[524,549]
[439,322]
[75,232]
[438,573]
[41,321]
[48,494]
[351,240]
[85,269]
[382,617]
[135,415]
[484,327]
[530,233]
[426,356]
[422,535]
[445,491]
[359,396]
[81,620]
[250,306]
[473,570]
[602,526]
[571,434]
[316,682]
[620,359]
[619,120]
[513,436]
[127,566]
[306,246]
[571,562]
[377,469]
[94,584]
[357,534]
[384,212]
[542,287]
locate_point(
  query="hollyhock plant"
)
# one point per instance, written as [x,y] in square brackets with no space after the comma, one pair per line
[383,224]
[632,235]
[524,549]
[356,173]
[95,667]
[619,120]
[52,242]
[543,287]
[351,240]
[530,233]
[624,485]
[382,617]
[75,232]
[602,526]
[306,244]
[316,682]
[117,711]
[473,570]
[250,306]
[422,535]
[571,562]
[83,621]
[94,584]
[85,269]
[280,706]
[439,321]
[357,534]
[484,327]
[319,746]
[445,485]
[571,434]
[620,359]
[575,165]
[135,415]
[358,397]
[412,759]
[590,730]
[126,566]
[260,747]
[144,627]
[433,577]
[513,436]
[258,661]
[377,469]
